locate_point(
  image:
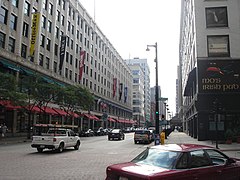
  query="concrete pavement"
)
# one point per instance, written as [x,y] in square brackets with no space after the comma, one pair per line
[174,137]
[232,150]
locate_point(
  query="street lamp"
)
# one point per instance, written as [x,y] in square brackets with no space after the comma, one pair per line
[157,138]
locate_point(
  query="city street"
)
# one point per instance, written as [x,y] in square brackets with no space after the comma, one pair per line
[21,162]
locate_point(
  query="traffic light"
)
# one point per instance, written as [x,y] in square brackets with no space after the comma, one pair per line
[157,112]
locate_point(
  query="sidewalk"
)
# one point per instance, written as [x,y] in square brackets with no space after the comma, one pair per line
[13,140]
[181,137]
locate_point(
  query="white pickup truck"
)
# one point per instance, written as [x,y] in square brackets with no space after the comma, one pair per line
[56,139]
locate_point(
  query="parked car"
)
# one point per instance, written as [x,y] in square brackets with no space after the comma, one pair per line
[142,136]
[106,131]
[177,161]
[116,134]
[89,133]
[99,132]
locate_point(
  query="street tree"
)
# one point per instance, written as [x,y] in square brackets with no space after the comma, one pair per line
[40,94]
[9,89]
[75,97]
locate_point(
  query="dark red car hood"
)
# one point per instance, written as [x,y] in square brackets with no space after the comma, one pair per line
[142,170]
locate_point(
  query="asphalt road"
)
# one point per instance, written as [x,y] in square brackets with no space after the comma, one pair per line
[21,162]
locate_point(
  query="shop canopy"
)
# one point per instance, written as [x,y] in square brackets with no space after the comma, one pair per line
[126,121]
[90,116]
[111,119]
[60,112]
[70,113]
[43,109]
[8,105]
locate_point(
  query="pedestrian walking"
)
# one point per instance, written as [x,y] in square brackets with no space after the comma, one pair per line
[3,129]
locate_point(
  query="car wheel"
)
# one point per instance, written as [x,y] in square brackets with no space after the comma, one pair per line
[123,137]
[40,150]
[60,148]
[109,138]
[76,147]
[135,142]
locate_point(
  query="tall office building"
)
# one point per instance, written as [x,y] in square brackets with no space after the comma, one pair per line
[146,83]
[209,67]
[60,41]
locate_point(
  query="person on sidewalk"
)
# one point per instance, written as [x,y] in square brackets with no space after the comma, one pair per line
[3,129]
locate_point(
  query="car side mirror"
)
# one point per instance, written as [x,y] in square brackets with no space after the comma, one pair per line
[230,161]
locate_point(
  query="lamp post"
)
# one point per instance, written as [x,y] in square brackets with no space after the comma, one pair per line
[157,138]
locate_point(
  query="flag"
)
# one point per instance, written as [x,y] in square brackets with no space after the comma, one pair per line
[120,91]
[99,100]
[62,51]
[81,64]
[114,86]
[125,94]
[35,26]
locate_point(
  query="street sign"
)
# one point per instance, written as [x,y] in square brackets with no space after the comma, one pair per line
[163,99]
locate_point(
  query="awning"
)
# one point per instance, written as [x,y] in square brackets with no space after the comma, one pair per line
[48,80]
[43,109]
[60,112]
[73,114]
[27,71]
[92,117]
[9,65]
[49,110]
[8,105]
[111,119]
[190,81]
[121,121]
[126,121]
[34,109]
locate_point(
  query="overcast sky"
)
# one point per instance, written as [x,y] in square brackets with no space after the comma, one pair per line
[131,25]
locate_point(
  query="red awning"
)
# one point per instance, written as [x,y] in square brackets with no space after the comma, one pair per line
[111,119]
[8,104]
[121,121]
[129,121]
[34,108]
[92,117]
[42,109]
[60,112]
[73,114]
[49,110]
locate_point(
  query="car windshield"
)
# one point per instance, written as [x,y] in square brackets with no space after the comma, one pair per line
[155,157]
[115,131]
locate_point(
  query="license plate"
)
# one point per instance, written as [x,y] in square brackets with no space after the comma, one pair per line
[42,146]
[123,178]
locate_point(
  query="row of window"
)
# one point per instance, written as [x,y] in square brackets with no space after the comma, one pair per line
[46,42]
[25,33]
[218,45]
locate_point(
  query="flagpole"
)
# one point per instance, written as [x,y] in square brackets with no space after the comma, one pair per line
[94,10]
